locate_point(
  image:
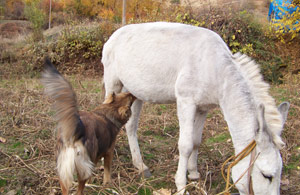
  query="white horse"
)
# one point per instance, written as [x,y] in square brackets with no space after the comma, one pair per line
[169,62]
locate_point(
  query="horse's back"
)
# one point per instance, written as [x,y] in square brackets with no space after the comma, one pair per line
[149,58]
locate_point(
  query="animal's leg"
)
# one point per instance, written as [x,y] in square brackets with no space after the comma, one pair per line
[112,84]
[198,127]
[107,164]
[186,115]
[81,186]
[131,130]
[64,190]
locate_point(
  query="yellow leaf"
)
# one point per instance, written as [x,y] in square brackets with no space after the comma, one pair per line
[162,191]
[3,140]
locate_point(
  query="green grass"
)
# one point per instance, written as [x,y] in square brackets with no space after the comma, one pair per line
[2,183]
[149,156]
[13,146]
[144,191]
[223,137]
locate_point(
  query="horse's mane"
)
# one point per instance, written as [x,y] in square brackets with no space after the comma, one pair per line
[260,91]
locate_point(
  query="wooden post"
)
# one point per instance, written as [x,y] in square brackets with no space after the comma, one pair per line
[50,15]
[124,13]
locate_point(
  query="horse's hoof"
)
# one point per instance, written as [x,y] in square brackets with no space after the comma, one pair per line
[194,176]
[235,194]
[146,173]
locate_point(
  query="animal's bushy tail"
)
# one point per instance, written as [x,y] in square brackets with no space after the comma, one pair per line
[65,105]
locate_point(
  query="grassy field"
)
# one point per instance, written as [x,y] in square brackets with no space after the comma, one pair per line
[27,161]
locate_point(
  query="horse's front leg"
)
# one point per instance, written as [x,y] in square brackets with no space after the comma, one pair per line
[186,116]
[200,117]
[131,130]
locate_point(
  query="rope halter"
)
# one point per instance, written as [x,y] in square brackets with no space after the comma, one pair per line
[236,159]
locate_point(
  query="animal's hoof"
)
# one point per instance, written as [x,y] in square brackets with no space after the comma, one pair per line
[194,176]
[146,173]
[235,194]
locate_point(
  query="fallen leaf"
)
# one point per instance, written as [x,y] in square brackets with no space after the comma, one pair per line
[285,182]
[3,140]
[162,192]
[12,192]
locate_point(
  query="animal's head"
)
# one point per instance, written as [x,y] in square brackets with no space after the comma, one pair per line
[266,172]
[118,106]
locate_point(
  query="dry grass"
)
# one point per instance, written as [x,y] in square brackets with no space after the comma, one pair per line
[27,162]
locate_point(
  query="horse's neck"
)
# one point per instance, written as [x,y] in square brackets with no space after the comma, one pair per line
[239,110]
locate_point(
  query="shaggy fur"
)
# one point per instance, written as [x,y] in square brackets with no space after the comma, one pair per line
[83,137]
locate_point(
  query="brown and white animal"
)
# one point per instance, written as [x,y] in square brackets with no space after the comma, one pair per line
[83,137]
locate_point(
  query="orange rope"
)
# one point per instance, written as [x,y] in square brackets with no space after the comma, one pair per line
[240,156]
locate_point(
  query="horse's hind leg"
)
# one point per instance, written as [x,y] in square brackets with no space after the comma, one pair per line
[112,83]
[131,130]
[198,127]
[186,115]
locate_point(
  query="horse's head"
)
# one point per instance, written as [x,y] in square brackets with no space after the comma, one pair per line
[266,171]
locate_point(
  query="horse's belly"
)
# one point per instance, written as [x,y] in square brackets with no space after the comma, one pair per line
[154,91]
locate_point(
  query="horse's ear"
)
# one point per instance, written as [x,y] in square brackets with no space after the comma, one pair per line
[261,118]
[262,137]
[283,108]
[110,98]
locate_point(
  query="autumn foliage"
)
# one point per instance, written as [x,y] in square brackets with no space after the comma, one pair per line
[104,9]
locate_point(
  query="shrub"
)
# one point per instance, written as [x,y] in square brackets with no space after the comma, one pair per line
[288,27]
[37,17]
[74,49]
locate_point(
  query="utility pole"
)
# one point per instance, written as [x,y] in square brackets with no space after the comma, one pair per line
[124,13]
[50,14]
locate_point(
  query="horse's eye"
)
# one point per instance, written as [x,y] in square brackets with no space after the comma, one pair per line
[270,178]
